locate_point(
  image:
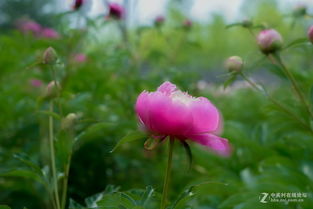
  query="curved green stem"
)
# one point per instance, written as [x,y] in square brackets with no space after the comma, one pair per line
[276,58]
[282,107]
[65,183]
[167,174]
[52,158]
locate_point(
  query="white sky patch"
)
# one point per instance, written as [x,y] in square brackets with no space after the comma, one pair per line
[143,12]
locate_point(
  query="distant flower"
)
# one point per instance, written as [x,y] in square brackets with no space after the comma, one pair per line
[35,83]
[49,33]
[187,23]
[79,58]
[171,112]
[116,11]
[77,4]
[159,20]
[310,34]
[29,26]
[269,41]
[234,64]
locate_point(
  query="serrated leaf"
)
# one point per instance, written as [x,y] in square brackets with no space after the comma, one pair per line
[133,136]
[25,174]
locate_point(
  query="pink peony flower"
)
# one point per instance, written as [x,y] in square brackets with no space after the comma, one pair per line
[116,11]
[36,83]
[79,58]
[171,112]
[269,41]
[187,23]
[29,26]
[49,33]
[77,4]
[310,34]
[159,20]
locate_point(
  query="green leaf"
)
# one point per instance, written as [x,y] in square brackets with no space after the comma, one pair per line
[146,196]
[116,200]
[296,42]
[25,174]
[74,205]
[49,113]
[132,136]
[4,207]
[230,80]
[25,159]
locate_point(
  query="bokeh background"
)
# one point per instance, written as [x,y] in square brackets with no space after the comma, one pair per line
[121,58]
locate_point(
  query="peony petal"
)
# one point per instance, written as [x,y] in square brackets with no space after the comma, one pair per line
[167,117]
[215,143]
[141,108]
[206,117]
[167,88]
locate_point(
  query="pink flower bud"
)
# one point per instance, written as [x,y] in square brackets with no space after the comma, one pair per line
[49,56]
[171,112]
[116,11]
[187,23]
[77,4]
[269,41]
[310,34]
[159,20]
[234,64]
[49,33]
[51,89]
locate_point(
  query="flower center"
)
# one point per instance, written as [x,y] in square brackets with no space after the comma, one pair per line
[182,97]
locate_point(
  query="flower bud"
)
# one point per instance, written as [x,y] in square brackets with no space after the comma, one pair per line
[116,11]
[49,56]
[69,121]
[187,24]
[77,4]
[269,41]
[52,89]
[234,64]
[310,34]
[159,20]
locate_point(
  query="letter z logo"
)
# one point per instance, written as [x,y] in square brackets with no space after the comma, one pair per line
[263,197]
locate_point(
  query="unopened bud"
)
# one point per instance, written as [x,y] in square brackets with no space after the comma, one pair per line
[69,121]
[269,41]
[51,89]
[159,20]
[310,34]
[49,56]
[234,64]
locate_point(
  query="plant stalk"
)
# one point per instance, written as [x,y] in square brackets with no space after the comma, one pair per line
[293,81]
[167,174]
[282,107]
[52,158]
[65,183]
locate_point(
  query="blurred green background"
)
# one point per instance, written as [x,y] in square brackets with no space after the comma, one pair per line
[272,153]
